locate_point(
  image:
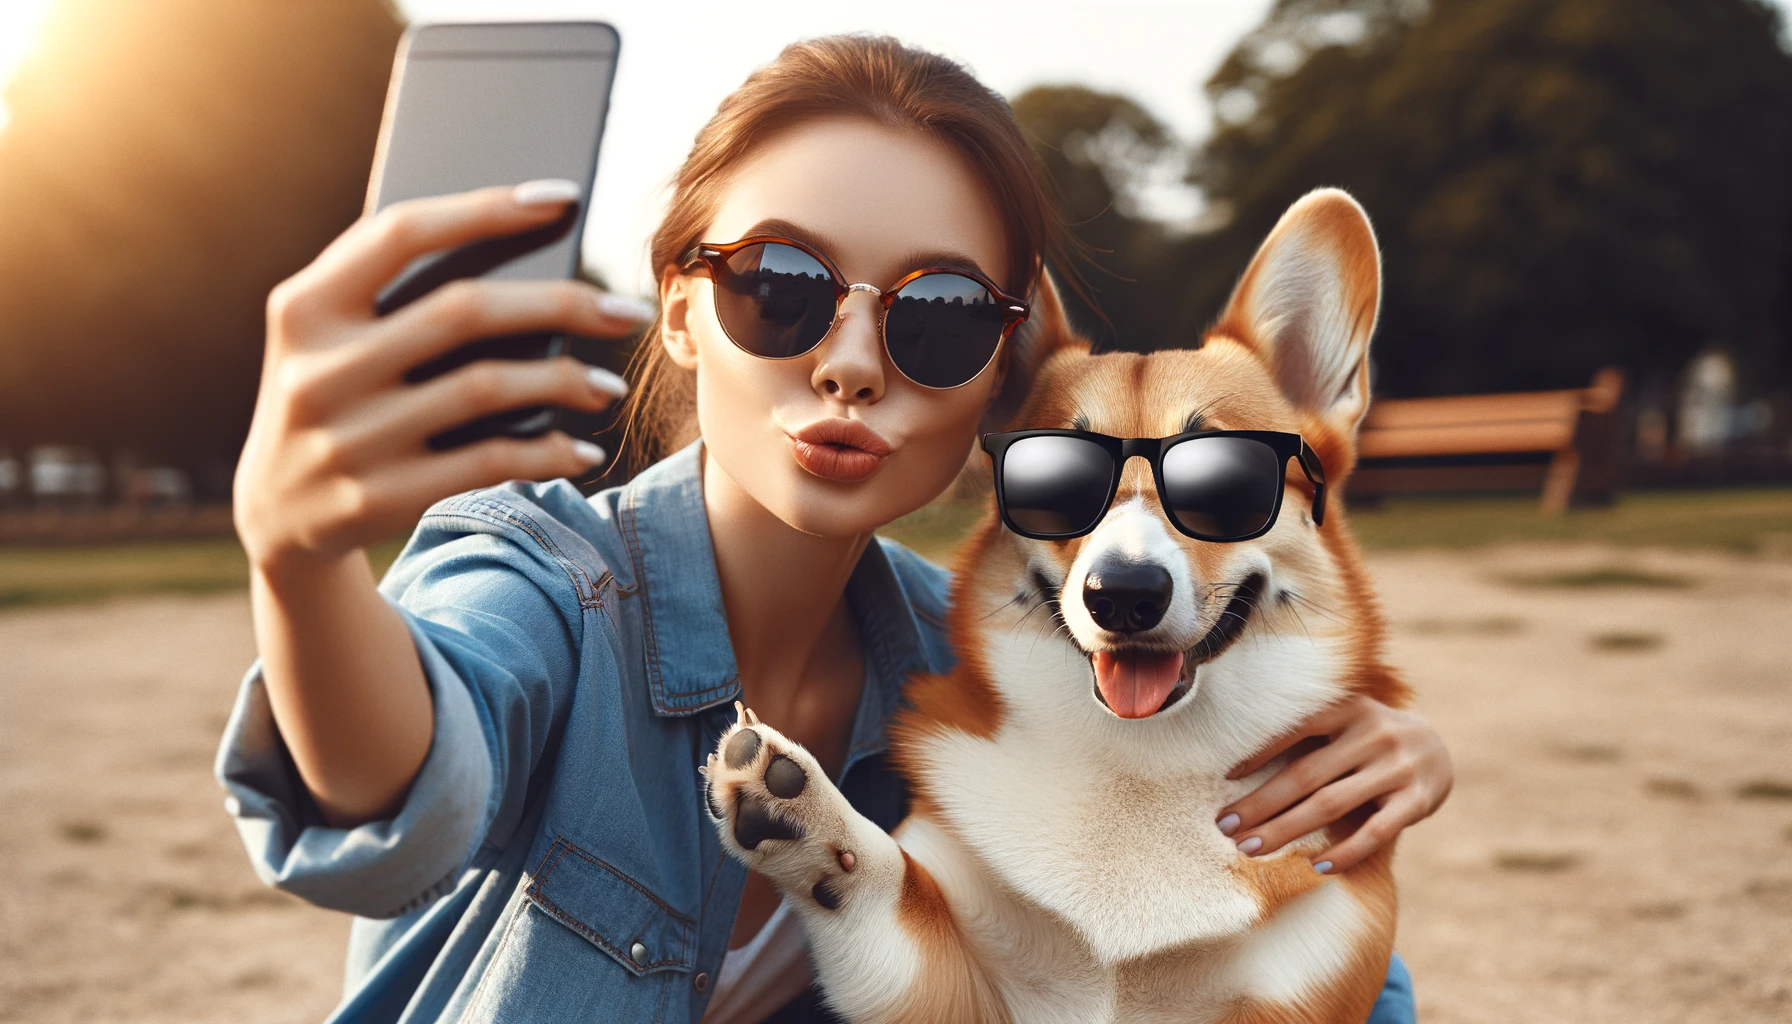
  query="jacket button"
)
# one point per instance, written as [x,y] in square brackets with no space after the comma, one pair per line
[638,953]
[700,982]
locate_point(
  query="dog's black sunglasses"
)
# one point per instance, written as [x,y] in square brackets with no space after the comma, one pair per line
[1215,485]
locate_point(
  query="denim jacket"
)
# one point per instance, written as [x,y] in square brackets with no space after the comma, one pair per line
[553,859]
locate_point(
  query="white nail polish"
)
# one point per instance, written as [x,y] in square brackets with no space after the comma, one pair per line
[604,380]
[1228,824]
[545,191]
[624,307]
[592,454]
[1251,845]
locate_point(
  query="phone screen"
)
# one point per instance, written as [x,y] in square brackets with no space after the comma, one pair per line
[494,104]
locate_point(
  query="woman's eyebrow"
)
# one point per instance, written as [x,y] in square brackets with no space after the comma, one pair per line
[784,228]
[945,259]
[919,259]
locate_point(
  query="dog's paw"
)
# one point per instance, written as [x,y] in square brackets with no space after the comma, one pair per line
[776,810]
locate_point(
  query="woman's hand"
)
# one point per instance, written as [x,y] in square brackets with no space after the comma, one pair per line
[1371,754]
[336,457]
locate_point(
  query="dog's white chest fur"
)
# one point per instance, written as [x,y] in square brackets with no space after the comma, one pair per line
[1133,864]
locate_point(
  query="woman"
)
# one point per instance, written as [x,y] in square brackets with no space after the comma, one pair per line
[491,757]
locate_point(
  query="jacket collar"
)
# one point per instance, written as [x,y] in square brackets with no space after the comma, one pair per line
[689,658]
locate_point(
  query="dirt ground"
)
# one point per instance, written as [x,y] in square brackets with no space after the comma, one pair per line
[1618,847]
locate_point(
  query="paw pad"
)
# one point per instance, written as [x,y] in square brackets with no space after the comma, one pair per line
[742,748]
[785,778]
[825,895]
[754,823]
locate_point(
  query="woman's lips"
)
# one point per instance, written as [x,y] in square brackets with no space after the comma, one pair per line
[839,449]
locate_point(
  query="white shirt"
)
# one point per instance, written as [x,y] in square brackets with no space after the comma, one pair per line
[760,977]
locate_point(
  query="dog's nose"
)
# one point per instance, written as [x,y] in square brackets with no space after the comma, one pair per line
[1127,597]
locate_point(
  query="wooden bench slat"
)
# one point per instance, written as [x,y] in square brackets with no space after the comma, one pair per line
[1468,439]
[1465,409]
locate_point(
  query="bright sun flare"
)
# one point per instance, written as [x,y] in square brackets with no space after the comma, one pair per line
[18,31]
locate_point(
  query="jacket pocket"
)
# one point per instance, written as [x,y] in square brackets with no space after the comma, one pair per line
[612,911]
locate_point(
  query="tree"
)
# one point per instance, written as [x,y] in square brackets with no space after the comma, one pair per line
[1556,184]
[1096,146]
[165,165]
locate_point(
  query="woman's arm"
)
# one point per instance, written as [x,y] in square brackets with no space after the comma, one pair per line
[336,459]
[1371,754]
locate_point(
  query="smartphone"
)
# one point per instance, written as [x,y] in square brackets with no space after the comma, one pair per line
[472,105]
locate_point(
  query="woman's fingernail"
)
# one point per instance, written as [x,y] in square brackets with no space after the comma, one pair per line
[592,454]
[543,191]
[623,307]
[605,381]
[1323,866]
[1228,824]
[1251,845]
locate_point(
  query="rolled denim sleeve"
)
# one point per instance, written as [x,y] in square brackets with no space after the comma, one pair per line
[496,626]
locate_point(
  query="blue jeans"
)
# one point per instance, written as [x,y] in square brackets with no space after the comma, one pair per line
[1395,1005]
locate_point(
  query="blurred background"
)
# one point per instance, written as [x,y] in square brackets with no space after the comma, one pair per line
[1576,495]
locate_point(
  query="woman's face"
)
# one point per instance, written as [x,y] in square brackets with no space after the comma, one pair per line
[879,202]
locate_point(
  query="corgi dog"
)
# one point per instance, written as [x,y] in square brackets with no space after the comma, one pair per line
[1061,860]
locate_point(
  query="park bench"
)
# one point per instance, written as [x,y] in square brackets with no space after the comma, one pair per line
[1565,443]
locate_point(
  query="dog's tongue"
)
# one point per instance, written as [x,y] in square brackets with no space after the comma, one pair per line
[1136,683]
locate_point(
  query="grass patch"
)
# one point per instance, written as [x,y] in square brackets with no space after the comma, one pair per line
[85,833]
[1676,789]
[1658,911]
[1496,625]
[1765,789]
[1605,577]
[1747,521]
[1626,642]
[1534,862]
[1586,753]
[935,531]
[51,575]
[61,575]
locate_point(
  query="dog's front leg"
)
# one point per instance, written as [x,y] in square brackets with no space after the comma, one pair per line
[881,934]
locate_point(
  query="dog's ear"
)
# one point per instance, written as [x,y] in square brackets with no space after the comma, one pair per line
[1046,333]
[1307,304]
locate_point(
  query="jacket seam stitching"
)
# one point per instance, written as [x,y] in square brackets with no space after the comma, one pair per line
[488,511]
[619,873]
[650,640]
[562,846]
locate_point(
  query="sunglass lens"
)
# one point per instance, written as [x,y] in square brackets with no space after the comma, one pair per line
[942,329]
[1055,486]
[775,300]
[1222,488]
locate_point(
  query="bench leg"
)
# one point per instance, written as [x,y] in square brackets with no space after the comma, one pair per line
[1558,482]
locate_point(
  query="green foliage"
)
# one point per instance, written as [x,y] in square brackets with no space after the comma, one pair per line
[1096,146]
[1557,184]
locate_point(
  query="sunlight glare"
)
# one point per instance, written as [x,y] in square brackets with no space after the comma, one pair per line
[18,31]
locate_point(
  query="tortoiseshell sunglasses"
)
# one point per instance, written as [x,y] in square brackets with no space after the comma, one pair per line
[777,298]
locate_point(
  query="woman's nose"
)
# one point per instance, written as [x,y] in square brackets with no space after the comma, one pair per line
[850,363]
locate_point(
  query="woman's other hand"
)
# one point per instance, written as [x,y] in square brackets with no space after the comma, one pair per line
[336,457]
[1363,752]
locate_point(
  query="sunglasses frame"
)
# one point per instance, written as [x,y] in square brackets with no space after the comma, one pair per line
[712,255]
[1122,450]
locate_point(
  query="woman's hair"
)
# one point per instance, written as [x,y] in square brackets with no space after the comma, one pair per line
[872,77]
